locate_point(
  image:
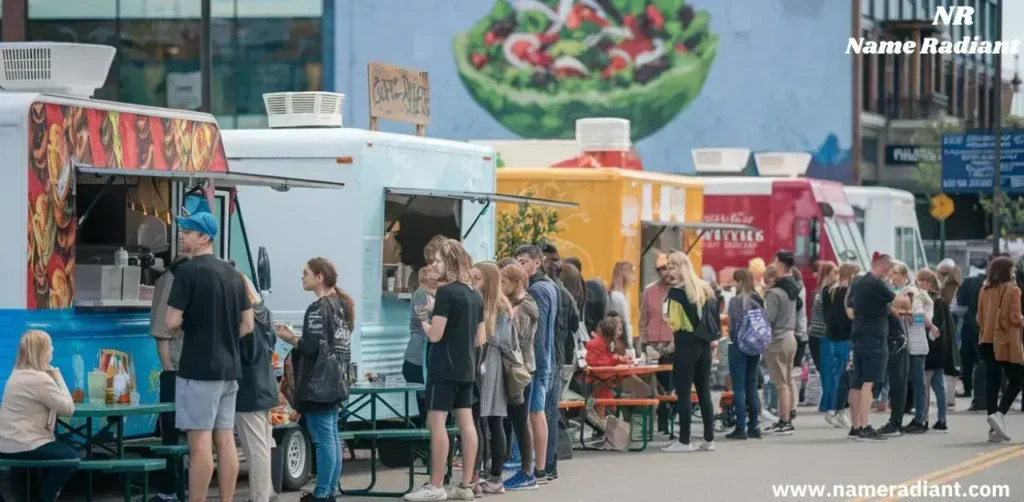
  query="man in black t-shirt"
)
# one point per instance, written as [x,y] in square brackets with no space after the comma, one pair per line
[869,299]
[209,303]
[456,330]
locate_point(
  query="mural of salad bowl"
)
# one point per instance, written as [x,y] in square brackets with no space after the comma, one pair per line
[539,65]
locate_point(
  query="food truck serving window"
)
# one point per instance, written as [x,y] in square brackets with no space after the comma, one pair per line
[116,265]
[701,228]
[413,216]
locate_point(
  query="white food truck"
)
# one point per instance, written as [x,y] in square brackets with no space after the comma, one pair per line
[887,219]
[401,191]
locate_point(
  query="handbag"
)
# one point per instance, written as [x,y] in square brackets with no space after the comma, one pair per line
[327,382]
[517,377]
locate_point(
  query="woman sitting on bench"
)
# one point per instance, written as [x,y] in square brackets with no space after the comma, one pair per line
[35,394]
[599,354]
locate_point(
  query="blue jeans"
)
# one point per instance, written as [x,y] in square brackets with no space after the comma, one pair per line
[920,391]
[323,430]
[743,370]
[55,477]
[938,383]
[834,355]
[552,415]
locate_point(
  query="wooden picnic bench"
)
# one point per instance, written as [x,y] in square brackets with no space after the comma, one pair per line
[673,398]
[126,467]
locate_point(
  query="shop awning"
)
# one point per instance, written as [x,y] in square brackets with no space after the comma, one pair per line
[479,197]
[700,227]
[279,183]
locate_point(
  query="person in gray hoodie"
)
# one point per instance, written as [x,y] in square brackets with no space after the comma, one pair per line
[782,305]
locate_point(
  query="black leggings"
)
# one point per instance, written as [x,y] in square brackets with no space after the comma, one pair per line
[815,348]
[692,367]
[994,371]
[517,417]
[413,373]
[493,427]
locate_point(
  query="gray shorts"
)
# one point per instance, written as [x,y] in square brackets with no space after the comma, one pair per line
[204,405]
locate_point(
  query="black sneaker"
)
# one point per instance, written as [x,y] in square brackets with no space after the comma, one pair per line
[792,415]
[891,430]
[784,429]
[869,434]
[736,434]
[915,427]
[542,478]
[552,474]
[853,434]
[771,428]
[160,497]
[940,426]
[754,434]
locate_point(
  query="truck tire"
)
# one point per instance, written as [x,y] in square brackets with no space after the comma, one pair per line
[298,458]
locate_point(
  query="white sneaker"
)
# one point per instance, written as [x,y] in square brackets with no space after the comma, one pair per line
[995,421]
[707,446]
[427,492]
[767,417]
[457,492]
[843,419]
[994,438]
[678,447]
[832,419]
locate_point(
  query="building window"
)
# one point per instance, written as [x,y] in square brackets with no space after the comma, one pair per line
[258,47]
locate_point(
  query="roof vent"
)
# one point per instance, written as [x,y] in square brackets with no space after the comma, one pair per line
[603,135]
[55,68]
[720,160]
[304,109]
[782,164]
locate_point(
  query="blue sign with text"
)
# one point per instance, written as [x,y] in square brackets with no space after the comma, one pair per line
[968,161]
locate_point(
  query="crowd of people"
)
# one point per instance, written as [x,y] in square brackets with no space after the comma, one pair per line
[490,340]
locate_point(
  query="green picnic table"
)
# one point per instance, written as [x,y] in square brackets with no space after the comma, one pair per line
[365,394]
[99,439]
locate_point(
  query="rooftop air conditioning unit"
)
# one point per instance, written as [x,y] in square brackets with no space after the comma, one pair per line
[603,135]
[55,68]
[304,109]
[720,161]
[782,164]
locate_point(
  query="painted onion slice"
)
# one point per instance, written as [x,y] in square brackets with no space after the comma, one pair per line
[570,64]
[529,38]
[651,56]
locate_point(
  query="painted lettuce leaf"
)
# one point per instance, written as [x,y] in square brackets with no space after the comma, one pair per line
[541,65]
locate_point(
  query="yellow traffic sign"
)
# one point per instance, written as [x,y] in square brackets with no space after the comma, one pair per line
[942,207]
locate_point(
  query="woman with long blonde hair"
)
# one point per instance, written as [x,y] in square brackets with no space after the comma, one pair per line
[827,273]
[623,276]
[34,396]
[743,367]
[689,299]
[493,404]
[835,345]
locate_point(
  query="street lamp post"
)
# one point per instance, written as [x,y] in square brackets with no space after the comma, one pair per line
[997,133]
[205,55]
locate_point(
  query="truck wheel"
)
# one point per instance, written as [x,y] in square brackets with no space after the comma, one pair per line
[298,458]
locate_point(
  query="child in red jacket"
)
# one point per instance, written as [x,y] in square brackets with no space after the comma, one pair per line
[599,354]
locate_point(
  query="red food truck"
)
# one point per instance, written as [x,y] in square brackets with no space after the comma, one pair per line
[808,216]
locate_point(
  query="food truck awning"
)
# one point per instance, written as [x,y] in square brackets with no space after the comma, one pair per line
[479,197]
[278,183]
[700,227]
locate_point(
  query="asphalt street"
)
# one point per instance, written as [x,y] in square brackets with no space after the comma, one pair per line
[754,470]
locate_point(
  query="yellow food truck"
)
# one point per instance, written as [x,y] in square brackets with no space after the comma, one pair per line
[623,214]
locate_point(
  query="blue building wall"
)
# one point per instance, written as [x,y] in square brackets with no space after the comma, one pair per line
[776,79]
